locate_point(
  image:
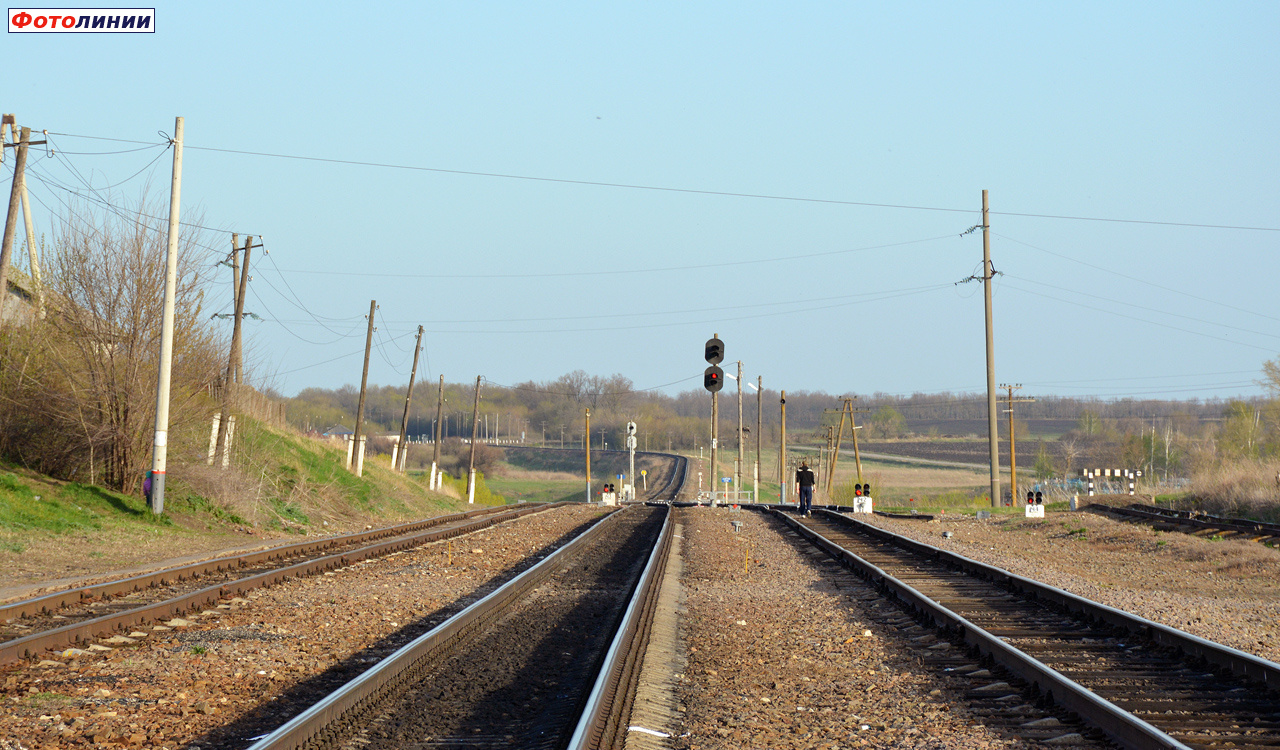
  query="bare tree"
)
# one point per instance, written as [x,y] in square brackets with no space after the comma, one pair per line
[90,386]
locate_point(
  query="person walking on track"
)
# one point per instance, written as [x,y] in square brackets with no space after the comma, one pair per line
[805,480]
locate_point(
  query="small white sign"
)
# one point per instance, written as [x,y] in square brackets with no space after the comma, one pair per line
[1035,511]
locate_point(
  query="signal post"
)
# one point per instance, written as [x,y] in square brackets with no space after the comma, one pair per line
[713,381]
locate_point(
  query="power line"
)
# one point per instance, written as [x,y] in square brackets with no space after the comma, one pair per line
[695,191]
[871,298]
[1040,295]
[1143,307]
[1135,278]
[661,269]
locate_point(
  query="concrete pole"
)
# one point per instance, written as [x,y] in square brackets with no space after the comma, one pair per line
[715,439]
[399,461]
[471,462]
[160,445]
[737,467]
[435,453]
[11,219]
[33,255]
[364,384]
[586,443]
[782,452]
[993,437]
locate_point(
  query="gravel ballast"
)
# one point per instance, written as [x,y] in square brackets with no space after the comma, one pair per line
[1226,591]
[781,654]
[215,679]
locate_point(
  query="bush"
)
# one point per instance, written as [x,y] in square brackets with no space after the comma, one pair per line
[1249,488]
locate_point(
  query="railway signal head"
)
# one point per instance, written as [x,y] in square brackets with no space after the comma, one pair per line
[1031,497]
[715,351]
[713,378]
[866,490]
[857,490]
[1039,498]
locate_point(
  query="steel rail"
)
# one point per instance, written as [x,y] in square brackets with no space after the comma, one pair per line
[20,648]
[614,687]
[602,724]
[48,603]
[1258,529]
[1122,726]
[346,704]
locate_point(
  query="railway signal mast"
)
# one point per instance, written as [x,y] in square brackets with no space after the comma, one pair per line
[713,380]
[629,490]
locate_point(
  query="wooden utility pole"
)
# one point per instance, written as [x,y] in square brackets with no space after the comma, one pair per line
[435,453]
[364,383]
[240,275]
[399,461]
[471,462]
[11,219]
[228,383]
[834,448]
[1013,456]
[586,443]
[160,444]
[782,451]
[992,432]
[846,410]
[755,475]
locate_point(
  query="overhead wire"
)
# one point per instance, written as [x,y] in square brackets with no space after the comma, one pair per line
[1141,320]
[1143,307]
[660,269]
[877,298]
[1137,279]
[695,191]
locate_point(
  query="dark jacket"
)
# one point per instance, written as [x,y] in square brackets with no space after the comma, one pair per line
[806,477]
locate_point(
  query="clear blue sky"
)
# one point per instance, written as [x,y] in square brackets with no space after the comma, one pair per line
[1164,113]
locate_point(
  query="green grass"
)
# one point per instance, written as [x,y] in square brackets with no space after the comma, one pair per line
[27,505]
[48,699]
[484,495]
[532,491]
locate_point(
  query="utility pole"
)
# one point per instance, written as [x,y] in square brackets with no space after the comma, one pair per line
[11,219]
[586,442]
[755,472]
[160,446]
[471,462]
[831,469]
[435,453]
[224,421]
[1013,456]
[831,454]
[782,452]
[356,452]
[737,467]
[240,278]
[992,434]
[33,255]
[398,458]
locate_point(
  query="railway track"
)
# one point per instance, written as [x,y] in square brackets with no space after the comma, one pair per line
[1193,522]
[1141,684]
[31,626]
[549,660]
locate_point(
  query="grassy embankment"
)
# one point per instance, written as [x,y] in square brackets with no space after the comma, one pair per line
[280,484]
